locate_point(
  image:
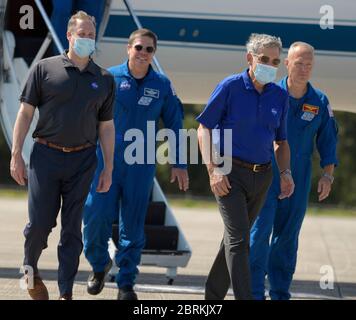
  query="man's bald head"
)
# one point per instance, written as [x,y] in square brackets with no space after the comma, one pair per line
[298,47]
[300,62]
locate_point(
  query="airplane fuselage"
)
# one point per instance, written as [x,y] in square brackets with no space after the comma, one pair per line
[201,42]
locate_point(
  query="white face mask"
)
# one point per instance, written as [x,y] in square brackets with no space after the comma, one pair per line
[84,47]
[264,73]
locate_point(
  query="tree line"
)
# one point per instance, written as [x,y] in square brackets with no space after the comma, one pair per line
[344,187]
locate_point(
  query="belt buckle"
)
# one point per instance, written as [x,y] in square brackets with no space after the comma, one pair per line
[255,166]
[65,149]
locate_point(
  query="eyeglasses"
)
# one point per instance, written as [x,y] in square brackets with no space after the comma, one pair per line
[138,47]
[307,66]
[265,60]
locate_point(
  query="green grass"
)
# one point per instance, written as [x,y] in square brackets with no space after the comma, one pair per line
[13,193]
[192,203]
[312,210]
[327,211]
[208,203]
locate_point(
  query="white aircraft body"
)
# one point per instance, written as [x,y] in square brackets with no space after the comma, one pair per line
[203,41]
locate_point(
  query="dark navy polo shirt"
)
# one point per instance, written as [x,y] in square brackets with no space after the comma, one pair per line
[256,120]
[70,102]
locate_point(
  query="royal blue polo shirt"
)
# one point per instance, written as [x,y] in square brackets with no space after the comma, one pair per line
[256,120]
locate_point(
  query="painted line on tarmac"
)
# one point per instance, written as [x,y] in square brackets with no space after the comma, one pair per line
[200,290]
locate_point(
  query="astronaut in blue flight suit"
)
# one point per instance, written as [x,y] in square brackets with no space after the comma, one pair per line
[310,119]
[142,95]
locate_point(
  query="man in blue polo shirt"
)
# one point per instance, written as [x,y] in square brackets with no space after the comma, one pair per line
[310,118]
[254,109]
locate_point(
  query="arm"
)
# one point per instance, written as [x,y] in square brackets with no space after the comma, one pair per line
[325,182]
[107,143]
[219,183]
[326,141]
[22,125]
[172,115]
[282,154]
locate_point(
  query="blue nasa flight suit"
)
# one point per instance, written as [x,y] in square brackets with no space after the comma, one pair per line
[128,197]
[309,118]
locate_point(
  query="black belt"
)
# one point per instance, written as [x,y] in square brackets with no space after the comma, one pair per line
[63,149]
[253,167]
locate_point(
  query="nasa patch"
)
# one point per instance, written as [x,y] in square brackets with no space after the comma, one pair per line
[308,116]
[94,85]
[145,101]
[125,85]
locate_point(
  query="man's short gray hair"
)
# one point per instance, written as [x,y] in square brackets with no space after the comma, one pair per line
[257,41]
[298,44]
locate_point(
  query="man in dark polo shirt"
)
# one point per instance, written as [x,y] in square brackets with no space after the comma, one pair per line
[74,97]
[254,109]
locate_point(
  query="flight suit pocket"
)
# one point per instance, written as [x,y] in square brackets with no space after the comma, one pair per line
[150,106]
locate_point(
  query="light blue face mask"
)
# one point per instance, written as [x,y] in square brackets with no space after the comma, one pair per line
[264,73]
[84,47]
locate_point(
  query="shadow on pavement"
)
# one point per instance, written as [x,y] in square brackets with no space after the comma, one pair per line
[300,288]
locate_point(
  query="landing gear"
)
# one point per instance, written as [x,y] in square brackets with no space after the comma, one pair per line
[171,273]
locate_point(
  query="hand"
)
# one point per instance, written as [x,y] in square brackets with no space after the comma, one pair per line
[324,188]
[18,169]
[219,183]
[181,175]
[287,186]
[105,180]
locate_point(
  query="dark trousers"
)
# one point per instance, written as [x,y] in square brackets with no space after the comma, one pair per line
[238,209]
[57,180]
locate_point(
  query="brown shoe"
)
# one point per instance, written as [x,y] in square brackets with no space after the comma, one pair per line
[39,290]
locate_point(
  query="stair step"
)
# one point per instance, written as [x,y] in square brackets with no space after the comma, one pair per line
[165,252]
[161,237]
[156,213]
[157,237]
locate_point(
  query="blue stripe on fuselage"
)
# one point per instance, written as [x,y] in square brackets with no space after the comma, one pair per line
[227,32]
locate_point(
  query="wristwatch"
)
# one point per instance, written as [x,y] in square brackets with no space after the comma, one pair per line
[285,171]
[329,176]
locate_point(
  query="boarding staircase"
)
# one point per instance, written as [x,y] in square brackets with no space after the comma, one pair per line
[166,245]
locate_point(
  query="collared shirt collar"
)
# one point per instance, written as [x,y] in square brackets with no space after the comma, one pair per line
[150,74]
[310,90]
[67,63]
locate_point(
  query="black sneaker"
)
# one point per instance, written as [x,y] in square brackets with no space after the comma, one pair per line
[96,280]
[127,293]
